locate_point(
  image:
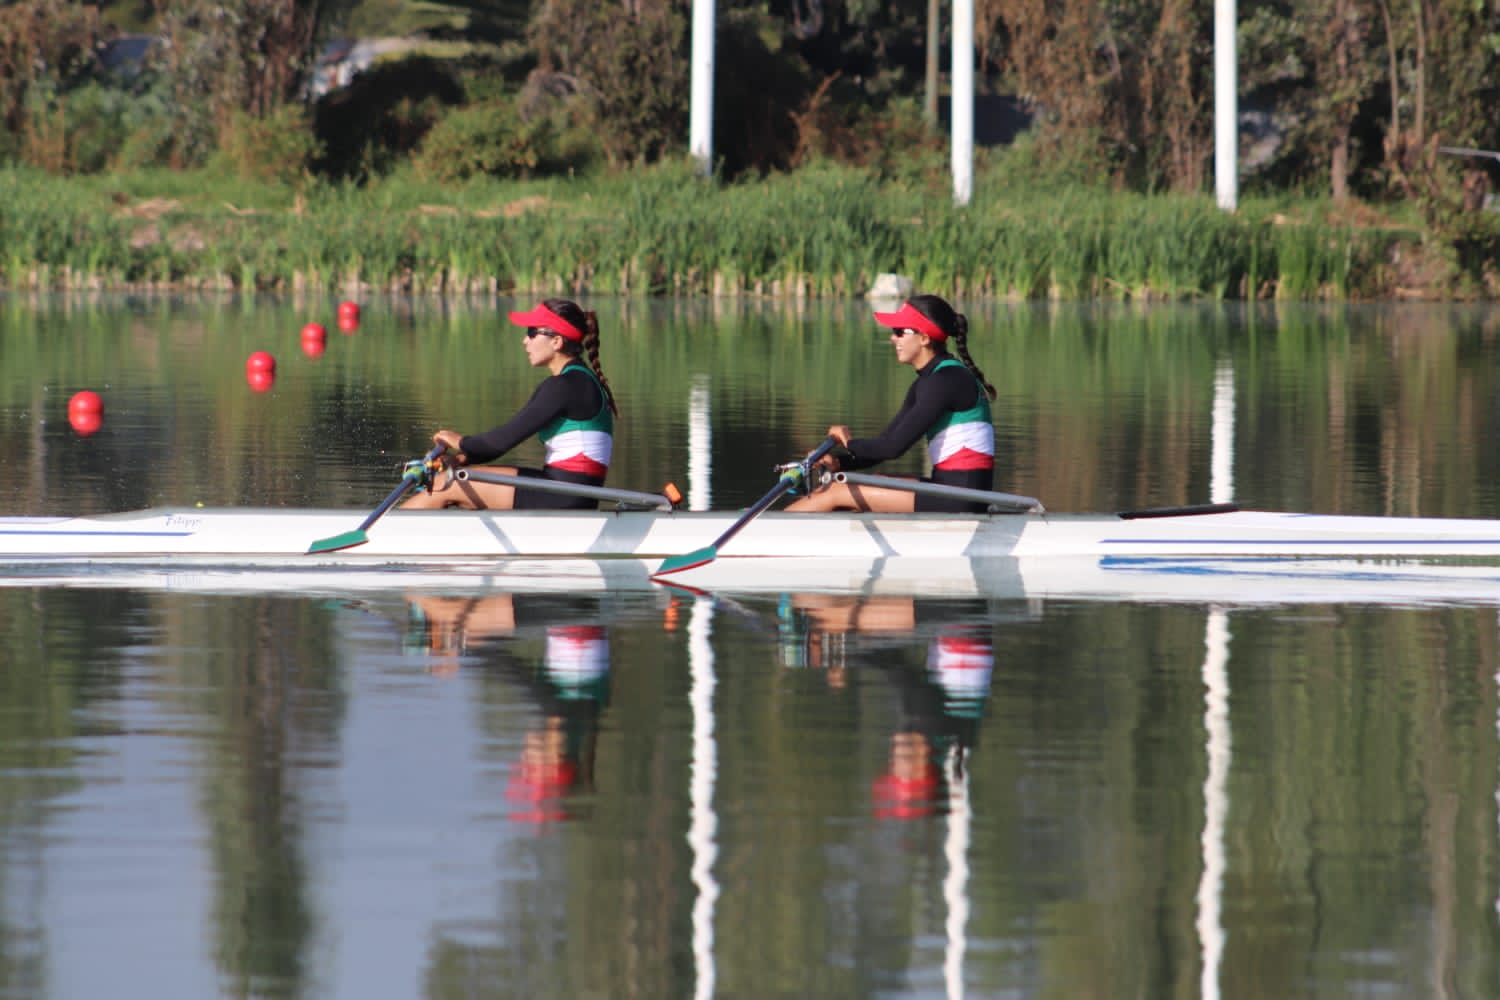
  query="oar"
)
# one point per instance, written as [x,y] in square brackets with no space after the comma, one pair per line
[411,478]
[790,476]
[667,499]
[997,501]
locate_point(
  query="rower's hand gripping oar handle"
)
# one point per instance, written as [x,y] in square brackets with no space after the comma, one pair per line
[803,473]
[420,470]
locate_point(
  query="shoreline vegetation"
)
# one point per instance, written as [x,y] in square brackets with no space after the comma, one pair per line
[823,231]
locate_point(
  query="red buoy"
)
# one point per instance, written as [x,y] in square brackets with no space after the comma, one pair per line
[348,316]
[85,422]
[314,331]
[260,379]
[86,401]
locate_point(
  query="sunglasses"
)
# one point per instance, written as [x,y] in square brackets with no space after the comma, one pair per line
[902,331]
[539,331]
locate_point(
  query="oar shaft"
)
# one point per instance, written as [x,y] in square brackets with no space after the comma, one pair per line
[1004,501]
[409,482]
[788,480]
[412,477]
[629,498]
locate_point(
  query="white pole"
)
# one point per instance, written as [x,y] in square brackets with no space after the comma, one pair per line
[956,884]
[1210,909]
[1221,457]
[963,101]
[700,445]
[703,829]
[1226,106]
[701,116]
[1209,922]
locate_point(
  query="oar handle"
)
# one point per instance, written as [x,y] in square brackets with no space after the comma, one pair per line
[829,443]
[421,469]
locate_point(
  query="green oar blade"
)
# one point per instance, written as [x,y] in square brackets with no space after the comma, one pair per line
[347,540]
[692,560]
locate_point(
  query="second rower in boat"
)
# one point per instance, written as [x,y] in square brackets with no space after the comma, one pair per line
[572,412]
[949,403]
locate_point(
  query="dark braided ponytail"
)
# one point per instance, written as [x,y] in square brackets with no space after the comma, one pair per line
[589,323]
[960,338]
[956,325]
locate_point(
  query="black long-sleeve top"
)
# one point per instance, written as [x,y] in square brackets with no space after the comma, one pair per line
[932,394]
[572,393]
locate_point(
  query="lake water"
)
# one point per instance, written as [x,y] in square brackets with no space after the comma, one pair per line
[530,788]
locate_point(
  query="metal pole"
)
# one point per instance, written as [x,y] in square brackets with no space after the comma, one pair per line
[1226,107]
[930,82]
[701,115]
[963,101]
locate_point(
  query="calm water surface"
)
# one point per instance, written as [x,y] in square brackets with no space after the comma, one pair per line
[548,787]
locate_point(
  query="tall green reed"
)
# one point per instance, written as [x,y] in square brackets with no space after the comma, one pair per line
[824,231]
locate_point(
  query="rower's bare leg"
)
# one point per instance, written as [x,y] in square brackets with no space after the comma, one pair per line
[470,495]
[845,496]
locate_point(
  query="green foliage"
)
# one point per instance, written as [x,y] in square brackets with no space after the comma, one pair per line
[224,59]
[43,43]
[277,149]
[1052,160]
[482,140]
[110,127]
[824,231]
[367,128]
[485,20]
[762,115]
[631,64]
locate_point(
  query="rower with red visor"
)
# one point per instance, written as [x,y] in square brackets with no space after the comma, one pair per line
[572,412]
[949,404]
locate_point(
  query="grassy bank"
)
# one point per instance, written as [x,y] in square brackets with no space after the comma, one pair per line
[822,231]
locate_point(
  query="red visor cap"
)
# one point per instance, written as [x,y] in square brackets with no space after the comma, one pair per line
[907,318]
[542,316]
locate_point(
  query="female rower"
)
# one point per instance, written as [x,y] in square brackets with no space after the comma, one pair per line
[572,412]
[949,402]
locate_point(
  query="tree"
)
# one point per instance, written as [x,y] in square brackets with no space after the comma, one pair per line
[631,58]
[251,56]
[44,46]
[1127,75]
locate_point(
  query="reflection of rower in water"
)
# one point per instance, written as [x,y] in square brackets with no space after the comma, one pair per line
[445,626]
[941,705]
[941,710]
[814,628]
[570,685]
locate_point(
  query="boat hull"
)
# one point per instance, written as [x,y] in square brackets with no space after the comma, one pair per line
[263,536]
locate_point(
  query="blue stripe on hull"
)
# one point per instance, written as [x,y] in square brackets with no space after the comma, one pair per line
[54,533]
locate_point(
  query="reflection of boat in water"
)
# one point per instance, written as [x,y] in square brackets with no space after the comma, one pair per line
[1223,581]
